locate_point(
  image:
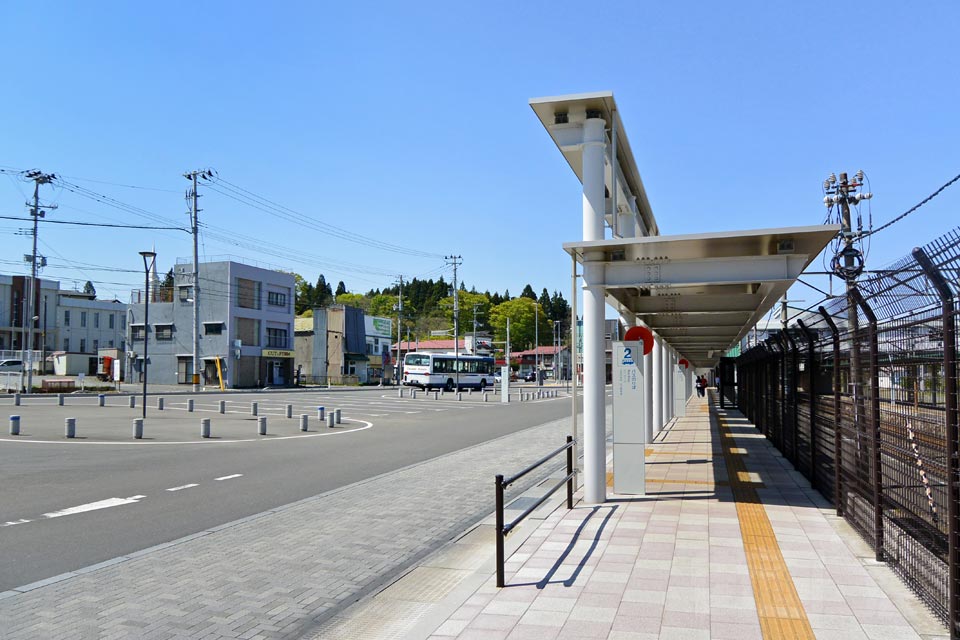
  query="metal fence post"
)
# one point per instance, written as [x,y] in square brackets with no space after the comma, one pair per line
[499,508]
[837,438]
[953,464]
[788,340]
[877,471]
[811,355]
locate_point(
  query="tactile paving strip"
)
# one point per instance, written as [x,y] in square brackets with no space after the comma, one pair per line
[778,605]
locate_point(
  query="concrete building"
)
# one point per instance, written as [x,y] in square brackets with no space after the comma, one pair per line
[553,361]
[331,347]
[86,325]
[13,296]
[246,327]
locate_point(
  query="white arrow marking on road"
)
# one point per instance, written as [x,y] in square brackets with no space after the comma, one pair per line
[236,475]
[186,486]
[93,506]
[13,522]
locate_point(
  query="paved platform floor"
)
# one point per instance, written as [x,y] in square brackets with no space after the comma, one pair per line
[729,542]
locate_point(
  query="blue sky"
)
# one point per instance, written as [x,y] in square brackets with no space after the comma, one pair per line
[409,123]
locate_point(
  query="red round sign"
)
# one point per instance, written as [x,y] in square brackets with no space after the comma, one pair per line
[684,362]
[636,334]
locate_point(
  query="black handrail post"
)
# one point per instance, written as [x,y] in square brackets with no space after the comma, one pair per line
[953,438]
[837,438]
[793,397]
[499,501]
[813,401]
[877,475]
[569,472]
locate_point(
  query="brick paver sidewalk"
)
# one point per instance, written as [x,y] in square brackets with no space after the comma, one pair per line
[729,542]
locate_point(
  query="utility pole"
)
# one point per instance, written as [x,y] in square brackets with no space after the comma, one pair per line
[536,339]
[456,261]
[842,193]
[396,367]
[192,197]
[38,178]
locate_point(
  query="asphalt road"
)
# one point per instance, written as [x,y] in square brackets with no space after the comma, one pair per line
[65,504]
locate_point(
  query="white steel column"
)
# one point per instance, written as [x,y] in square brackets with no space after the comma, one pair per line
[665,385]
[656,397]
[648,395]
[594,371]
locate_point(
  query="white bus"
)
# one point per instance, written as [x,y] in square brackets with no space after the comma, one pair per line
[436,370]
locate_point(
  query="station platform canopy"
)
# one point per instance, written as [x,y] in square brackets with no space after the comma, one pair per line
[702,293]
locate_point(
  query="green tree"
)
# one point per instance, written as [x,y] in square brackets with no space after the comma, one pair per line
[341,289]
[303,294]
[167,281]
[89,289]
[467,300]
[322,294]
[522,314]
[528,293]
[354,300]
[382,305]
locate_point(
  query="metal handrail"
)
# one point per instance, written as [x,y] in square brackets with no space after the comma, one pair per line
[503,529]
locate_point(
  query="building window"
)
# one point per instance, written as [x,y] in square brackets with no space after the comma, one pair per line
[248,331]
[277,338]
[123,322]
[213,328]
[83,320]
[66,344]
[110,344]
[83,345]
[186,294]
[110,322]
[137,332]
[248,293]
[123,345]
[66,319]
[96,346]
[96,321]
[163,332]
[276,299]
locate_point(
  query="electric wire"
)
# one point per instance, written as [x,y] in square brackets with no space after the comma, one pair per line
[915,207]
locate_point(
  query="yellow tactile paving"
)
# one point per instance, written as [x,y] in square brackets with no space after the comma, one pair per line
[778,605]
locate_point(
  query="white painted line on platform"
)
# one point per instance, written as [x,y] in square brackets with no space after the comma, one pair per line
[185,486]
[93,506]
[14,522]
[236,475]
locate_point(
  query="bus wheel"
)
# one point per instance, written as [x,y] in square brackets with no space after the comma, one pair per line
[449,386]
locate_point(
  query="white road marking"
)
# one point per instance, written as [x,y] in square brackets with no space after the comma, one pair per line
[93,506]
[13,522]
[236,475]
[186,486]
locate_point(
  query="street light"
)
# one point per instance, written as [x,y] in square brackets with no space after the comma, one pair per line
[149,259]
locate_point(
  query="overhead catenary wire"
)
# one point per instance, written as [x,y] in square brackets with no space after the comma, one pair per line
[914,207]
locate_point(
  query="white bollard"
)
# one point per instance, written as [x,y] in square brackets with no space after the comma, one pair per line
[133,402]
[262,425]
[470,391]
[254,409]
[436,395]
[289,410]
[16,399]
[14,425]
[330,418]
[60,399]
[70,427]
[485,394]
[205,428]
[400,393]
[159,404]
[320,413]
[190,405]
[337,413]
[222,406]
[459,396]
[138,428]
[413,394]
[101,399]
[303,421]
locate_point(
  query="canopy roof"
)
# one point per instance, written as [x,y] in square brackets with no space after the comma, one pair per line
[703,292]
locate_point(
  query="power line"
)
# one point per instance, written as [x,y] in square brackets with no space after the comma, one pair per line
[96,224]
[913,208]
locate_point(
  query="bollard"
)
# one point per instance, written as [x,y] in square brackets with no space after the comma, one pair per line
[470,391]
[289,410]
[101,399]
[337,413]
[190,405]
[262,425]
[16,399]
[60,399]
[223,406]
[320,412]
[133,402]
[205,428]
[399,393]
[159,404]
[330,419]
[485,394]
[436,395]
[14,425]
[303,421]
[138,428]
[459,396]
[70,429]
[254,409]
[413,393]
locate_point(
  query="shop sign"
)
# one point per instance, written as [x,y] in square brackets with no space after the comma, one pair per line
[276,353]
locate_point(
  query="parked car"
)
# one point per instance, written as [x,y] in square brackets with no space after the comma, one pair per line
[11,365]
[497,378]
[530,377]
